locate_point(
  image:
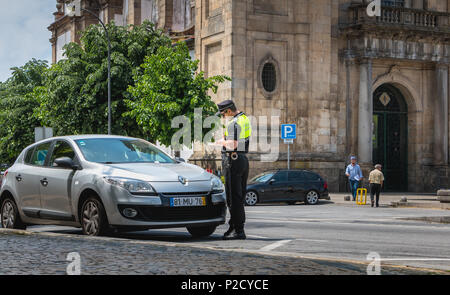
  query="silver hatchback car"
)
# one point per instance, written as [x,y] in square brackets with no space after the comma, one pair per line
[102,183]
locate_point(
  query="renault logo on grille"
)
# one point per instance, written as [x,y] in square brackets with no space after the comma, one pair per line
[183,180]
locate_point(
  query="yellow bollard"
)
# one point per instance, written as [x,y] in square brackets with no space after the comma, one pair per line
[359,192]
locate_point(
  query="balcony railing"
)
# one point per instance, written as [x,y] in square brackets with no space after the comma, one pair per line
[399,16]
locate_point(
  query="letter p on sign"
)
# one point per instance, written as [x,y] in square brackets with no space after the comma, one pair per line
[374,8]
[288,131]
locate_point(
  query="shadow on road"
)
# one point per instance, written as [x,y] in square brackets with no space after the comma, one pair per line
[155,235]
[321,202]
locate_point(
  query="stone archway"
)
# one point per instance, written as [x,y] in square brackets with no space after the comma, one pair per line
[390,136]
[414,108]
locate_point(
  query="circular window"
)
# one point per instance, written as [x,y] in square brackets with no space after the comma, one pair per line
[269,77]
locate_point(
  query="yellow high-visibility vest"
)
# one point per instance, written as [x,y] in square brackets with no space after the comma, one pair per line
[243,122]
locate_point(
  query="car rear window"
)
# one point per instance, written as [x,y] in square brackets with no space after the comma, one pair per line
[28,155]
[303,176]
[309,176]
[295,175]
[40,154]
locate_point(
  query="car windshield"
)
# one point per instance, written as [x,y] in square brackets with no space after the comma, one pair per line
[121,150]
[262,177]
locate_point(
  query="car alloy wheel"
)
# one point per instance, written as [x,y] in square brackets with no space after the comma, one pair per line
[93,218]
[10,216]
[312,197]
[251,198]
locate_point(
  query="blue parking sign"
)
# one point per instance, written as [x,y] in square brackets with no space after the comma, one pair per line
[288,131]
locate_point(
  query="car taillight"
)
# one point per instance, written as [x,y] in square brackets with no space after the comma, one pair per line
[325,185]
[6,172]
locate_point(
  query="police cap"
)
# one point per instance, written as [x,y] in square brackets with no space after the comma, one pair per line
[224,105]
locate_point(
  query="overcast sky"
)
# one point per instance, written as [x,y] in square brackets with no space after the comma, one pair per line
[23,32]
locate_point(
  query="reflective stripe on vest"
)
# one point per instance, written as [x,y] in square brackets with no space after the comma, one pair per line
[243,122]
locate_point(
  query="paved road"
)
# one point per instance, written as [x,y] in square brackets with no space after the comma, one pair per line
[326,231]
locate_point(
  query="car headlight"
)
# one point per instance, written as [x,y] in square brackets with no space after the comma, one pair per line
[217,185]
[134,186]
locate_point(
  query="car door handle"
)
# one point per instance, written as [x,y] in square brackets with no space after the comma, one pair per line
[44,182]
[19,177]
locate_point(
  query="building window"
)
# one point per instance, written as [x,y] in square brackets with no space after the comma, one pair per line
[101,15]
[182,18]
[125,12]
[62,40]
[269,77]
[149,11]
[393,3]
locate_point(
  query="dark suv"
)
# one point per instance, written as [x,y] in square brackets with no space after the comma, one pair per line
[289,186]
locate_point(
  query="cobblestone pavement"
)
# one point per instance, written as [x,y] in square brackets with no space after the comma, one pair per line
[45,253]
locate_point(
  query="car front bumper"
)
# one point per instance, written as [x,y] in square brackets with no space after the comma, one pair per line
[155,211]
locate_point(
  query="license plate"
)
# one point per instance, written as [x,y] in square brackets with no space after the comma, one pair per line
[188,202]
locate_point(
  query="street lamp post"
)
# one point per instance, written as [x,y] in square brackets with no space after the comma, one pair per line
[74,9]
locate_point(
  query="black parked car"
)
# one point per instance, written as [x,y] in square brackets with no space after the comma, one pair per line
[289,186]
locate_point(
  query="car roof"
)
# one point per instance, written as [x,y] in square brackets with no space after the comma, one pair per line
[86,136]
[78,137]
[286,170]
[304,170]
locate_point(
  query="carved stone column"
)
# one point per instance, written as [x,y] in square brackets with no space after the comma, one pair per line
[365,112]
[441,116]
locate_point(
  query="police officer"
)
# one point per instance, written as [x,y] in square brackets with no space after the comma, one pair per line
[235,165]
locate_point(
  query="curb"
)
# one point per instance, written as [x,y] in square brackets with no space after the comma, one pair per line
[437,205]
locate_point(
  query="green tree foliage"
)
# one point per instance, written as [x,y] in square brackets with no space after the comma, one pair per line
[74,97]
[170,87]
[17,104]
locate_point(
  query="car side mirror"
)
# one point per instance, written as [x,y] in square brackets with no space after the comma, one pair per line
[180,160]
[66,162]
[271,181]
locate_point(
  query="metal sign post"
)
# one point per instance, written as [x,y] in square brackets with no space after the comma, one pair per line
[288,133]
[41,133]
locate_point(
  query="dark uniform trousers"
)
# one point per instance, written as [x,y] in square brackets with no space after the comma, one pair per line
[236,180]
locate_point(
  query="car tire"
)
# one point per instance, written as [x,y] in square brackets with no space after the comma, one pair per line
[312,197]
[251,198]
[93,219]
[10,217]
[202,231]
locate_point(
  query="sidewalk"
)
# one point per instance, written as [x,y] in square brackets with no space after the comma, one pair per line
[416,200]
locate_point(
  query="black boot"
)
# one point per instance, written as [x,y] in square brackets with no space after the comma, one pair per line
[237,235]
[228,233]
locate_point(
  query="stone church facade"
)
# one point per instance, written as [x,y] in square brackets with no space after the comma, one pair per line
[374,87]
